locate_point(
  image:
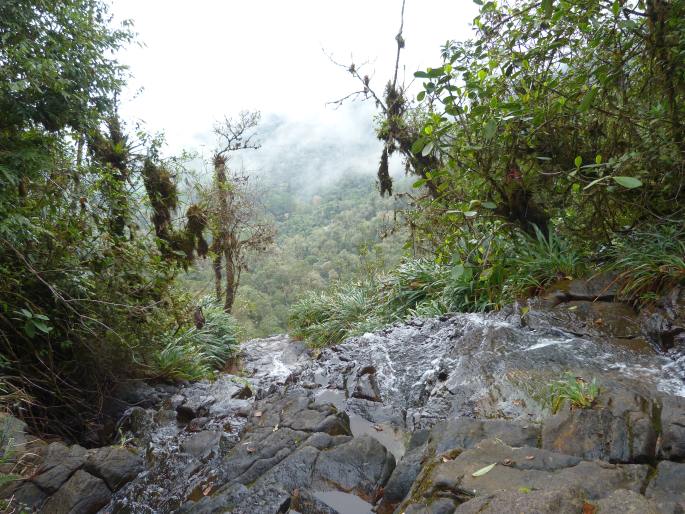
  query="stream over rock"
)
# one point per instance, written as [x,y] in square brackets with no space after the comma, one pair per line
[399,421]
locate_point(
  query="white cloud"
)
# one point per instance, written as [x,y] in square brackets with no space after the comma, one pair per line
[204,59]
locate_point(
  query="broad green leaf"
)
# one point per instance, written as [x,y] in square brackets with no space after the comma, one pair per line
[490,129]
[548,7]
[458,271]
[470,214]
[628,182]
[483,471]
[421,96]
[578,161]
[489,205]
[427,149]
[588,99]
[428,129]
[598,159]
[418,145]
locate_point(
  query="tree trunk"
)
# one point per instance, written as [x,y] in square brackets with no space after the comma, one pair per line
[230,282]
[217,277]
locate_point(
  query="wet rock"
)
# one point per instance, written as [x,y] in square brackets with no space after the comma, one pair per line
[401,480]
[361,466]
[627,502]
[23,494]
[138,421]
[621,428]
[115,465]
[664,322]
[201,444]
[666,488]
[59,464]
[601,287]
[672,445]
[555,501]
[518,469]
[616,321]
[466,432]
[366,386]
[194,407]
[81,494]
[243,393]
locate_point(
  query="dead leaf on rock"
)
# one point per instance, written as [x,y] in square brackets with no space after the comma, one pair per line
[483,471]
[588,508]
[207,490]
[258,414]
[530,457]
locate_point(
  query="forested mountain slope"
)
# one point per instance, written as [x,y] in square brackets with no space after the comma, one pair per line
[328,233]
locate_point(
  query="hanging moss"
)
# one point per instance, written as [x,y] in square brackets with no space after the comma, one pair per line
[384,180]
[195,227]
[163,196]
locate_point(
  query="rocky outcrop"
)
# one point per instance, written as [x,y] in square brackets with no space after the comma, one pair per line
[57,478]
[441,416]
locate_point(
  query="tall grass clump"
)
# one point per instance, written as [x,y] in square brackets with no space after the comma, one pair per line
[542,259]
[329,317]
[193,353]
[649,261]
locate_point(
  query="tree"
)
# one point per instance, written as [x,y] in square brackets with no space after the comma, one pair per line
[237,226]
[400,122]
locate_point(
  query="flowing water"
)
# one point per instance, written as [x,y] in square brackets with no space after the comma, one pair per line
[390,384]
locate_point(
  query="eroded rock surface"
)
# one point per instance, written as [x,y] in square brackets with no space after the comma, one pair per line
[440,416]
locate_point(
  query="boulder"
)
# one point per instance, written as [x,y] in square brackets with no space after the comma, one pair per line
[617,322]
[672,442]
[622,427]
[516,470]
[115,465]
[667,487]
[366,386]
[664,322]
[81,494]
[59,464]
[201,444]
[361,466]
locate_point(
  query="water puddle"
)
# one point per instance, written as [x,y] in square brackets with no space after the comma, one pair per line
[344,503]
[391,437]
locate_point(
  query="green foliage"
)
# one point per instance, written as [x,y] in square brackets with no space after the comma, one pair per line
[565,112]
[544,259]
[480,275]
[336,232]
[193,353]
[649,261]
[327,318]
[578,392]
[82,286]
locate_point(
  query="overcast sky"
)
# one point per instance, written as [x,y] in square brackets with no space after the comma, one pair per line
[205,59]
